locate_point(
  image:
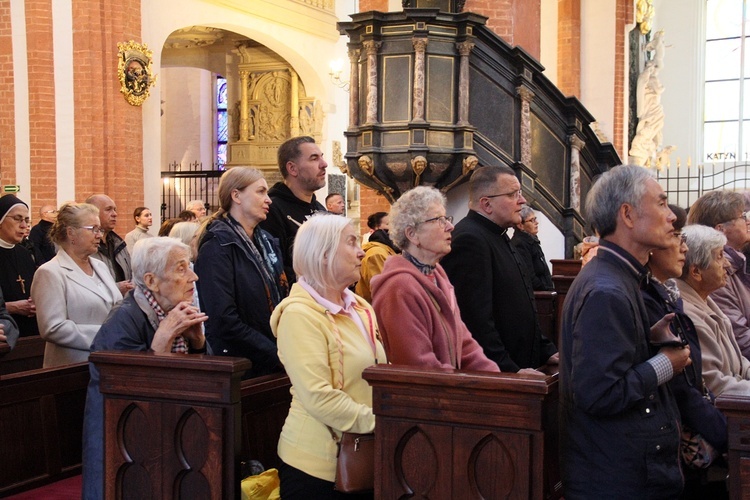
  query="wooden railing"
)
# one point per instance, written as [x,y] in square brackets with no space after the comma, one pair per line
[446,435]
[41,422]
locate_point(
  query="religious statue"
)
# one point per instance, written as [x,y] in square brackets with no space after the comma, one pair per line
[650,111]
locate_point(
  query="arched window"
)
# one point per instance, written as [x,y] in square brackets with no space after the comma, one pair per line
[222,132]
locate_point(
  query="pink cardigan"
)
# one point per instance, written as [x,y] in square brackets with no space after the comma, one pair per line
[410,324]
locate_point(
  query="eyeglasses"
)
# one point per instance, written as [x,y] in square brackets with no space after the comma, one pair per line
[443,220]
[743,215]
[20,219]
[682,237]
[50,212]
[93,229]
[517,195]
[530,219]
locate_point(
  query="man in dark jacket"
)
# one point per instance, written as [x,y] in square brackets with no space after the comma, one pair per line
[112,248]
[530,251]
[494,294]
[619,422]
[45,249]
[304,171]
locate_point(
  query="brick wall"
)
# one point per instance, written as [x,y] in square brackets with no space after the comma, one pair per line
[108,130]
[7,100]
[624,16]
[41,103]
[569,47]
[381,5]
[518,22]
[369,203]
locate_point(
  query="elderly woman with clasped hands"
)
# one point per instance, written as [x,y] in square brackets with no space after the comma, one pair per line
[158,316]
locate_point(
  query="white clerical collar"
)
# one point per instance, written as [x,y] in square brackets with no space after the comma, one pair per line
[5,244]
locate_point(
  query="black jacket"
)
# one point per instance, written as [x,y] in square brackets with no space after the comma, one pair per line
[619,429]
[233,295]
[45,249]
[696,411]
[494,295]
[286,215]
[535,263]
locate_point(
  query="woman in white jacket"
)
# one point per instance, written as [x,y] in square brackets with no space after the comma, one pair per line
[73,292]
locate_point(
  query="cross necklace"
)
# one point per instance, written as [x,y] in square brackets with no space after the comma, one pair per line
[20,280]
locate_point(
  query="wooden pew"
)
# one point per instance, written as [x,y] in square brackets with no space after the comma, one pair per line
[265,404]
[564,272]
[41,422]
[171,424]
[546,310]
[28,354]
[736,407]
[445,434]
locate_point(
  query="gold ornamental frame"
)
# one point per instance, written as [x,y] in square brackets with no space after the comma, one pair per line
[134,71]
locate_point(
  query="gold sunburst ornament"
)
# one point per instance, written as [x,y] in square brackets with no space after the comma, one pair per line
[134,71]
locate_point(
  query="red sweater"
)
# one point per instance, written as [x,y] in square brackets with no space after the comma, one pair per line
[410,324]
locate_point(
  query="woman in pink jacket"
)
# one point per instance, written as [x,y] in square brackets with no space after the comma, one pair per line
[413,299]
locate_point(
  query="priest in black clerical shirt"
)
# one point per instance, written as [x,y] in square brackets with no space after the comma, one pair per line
[16,264]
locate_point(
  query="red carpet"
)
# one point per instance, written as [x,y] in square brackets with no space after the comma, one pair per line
[67,489]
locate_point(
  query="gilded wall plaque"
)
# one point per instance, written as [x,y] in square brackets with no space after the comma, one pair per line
[134,71]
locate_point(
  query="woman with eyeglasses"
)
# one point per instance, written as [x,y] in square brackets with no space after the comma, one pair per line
[17,266]
[73,292]
[662,297]
[413,298]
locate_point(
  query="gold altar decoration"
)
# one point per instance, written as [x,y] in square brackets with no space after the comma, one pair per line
[644,15]
[134,71]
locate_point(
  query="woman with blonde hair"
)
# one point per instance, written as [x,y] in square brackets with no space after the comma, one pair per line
[241,272]
[327,336]
[73,292]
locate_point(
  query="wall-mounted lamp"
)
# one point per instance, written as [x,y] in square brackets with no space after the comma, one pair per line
[337,66]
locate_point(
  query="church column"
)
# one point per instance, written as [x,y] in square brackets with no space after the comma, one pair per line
[420,44]
[354,88]
[526,96]
[371,48]
[244,120]
[576,145]
[464,49]
[294,123]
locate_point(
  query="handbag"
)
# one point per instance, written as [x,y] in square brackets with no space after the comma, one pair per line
[696,452]
[355,462]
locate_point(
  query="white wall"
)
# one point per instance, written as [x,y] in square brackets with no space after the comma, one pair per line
[682,76]
[548,52]
[598,61]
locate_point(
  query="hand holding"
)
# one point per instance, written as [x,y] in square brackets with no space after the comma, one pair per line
[678,356]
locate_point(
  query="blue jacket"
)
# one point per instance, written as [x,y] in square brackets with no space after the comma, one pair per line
[619,429]
[696,411]
[233,295]
[130,326]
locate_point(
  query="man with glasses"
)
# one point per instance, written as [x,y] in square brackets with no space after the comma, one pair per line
[45,249]
[724,211]
[112,248]
[16,264]
[494,294]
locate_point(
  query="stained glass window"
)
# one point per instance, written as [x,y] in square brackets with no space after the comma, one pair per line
[222,131]
[726,113]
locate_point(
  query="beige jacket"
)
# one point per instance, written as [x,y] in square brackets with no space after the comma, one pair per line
[70,307]
[724,366]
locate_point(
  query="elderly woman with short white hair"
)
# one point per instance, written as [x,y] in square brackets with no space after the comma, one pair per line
[157,316]
[326,337]
[413,298]
[704,271]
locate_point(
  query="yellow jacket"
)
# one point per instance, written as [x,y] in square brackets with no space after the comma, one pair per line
[372,265]
[327,384]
